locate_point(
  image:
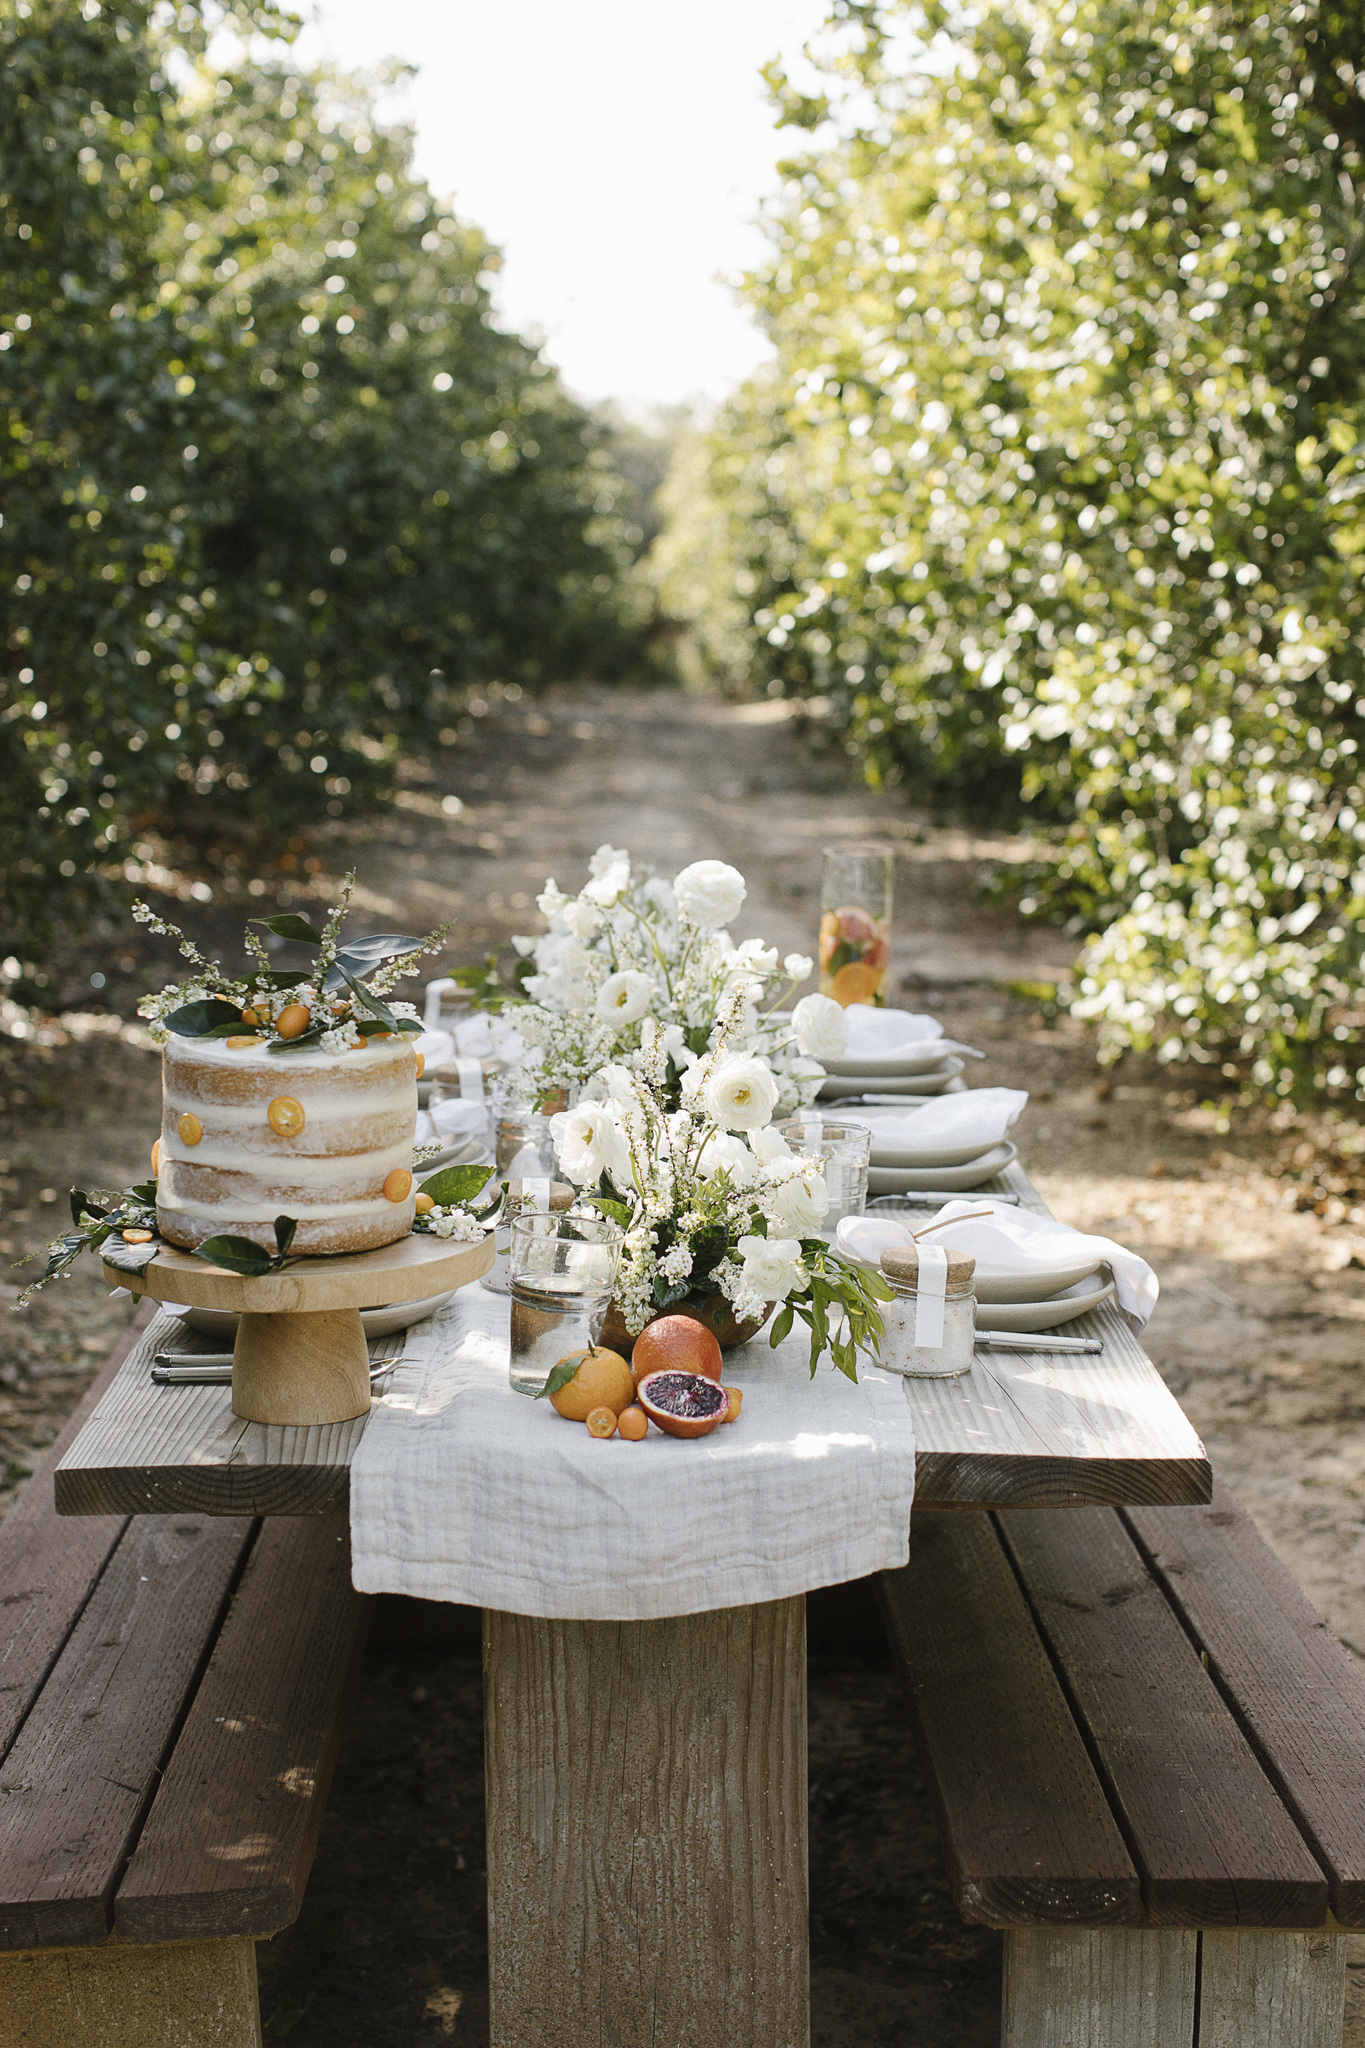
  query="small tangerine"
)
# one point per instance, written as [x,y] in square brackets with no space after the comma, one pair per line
[189,1130]
[136,1236]
[397,1185]
[421,1064]
[250,1017]
[156,1157]
[424,1205]
[633,1424]
[293,1020]
[285,1116]
[601,1422]
[736,1398]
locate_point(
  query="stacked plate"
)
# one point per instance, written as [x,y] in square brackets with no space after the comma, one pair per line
[1013,1292]
[956,1143]
[893,1052]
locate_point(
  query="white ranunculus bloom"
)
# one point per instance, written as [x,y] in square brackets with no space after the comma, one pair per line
[626,997]
[588,1140]
[741,1093]
[611,885]
[799,1204]
[797,966]
[710,893]
[821,1027]
[772,1266]
[724,1153]
[770,1145]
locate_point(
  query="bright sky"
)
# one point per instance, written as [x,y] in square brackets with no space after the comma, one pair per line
[616,150]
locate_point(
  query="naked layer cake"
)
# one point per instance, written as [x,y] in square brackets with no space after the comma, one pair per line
[248,1135]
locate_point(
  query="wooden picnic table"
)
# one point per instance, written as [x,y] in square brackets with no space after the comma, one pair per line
[647,1863]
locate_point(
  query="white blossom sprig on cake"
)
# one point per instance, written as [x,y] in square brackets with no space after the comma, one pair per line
[718,1212]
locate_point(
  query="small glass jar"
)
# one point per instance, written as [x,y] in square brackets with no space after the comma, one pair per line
[903,1349]
[855,923]
[522,1197]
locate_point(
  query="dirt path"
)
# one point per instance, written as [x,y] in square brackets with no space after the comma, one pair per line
[1259,1330]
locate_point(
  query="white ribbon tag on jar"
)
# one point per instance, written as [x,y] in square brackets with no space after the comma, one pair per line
[471,1079]
[930,1292]
[535,1193]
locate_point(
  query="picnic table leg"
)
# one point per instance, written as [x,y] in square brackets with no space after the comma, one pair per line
[647,1874]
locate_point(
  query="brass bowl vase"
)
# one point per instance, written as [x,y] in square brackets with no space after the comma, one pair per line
[727,1332]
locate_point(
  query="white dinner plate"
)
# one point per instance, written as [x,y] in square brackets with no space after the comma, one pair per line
[914,1060]
[892,1143]
[376,1322]
[906,1180]
[1045,1315]
[935,1080]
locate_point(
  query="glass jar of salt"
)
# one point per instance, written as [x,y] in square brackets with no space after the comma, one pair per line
[931,1324]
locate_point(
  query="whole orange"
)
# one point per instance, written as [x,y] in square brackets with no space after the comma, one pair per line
[676,1344]
[603,1380]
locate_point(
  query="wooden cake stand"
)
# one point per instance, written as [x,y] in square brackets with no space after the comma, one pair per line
[301,1354]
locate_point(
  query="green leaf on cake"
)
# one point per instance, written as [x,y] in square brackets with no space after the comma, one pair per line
[206,1018]
[236,1254]
[362,956]
[291,926]
[285,1226]
[455,1187]
[302,1043]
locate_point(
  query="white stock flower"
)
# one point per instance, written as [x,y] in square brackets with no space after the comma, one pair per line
[607,857]
[799,1204]
[551,899]
[580,918]
[625,998]
[741,1093]
[723,1153]
[821,1027]
[584,1137]
[710,893]
[772,1266]
[797,966]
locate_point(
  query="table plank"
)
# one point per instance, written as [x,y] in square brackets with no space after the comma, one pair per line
[1296,1695]
[976,1674]
[1210,1837]
[1033,1429]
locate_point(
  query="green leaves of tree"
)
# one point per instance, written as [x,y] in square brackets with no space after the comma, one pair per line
[242,1255]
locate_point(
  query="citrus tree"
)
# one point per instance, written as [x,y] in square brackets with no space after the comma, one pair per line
[1054,491]
[276,486]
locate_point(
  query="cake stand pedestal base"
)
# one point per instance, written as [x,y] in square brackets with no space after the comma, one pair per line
[309,1367]
[301,1356]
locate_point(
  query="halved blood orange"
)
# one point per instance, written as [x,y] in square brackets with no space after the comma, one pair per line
[676,1344]
[683,1403]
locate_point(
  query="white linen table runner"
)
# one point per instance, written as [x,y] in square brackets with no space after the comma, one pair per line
[463,1490]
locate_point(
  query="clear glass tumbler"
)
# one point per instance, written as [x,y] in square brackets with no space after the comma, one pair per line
[847,1149]
[522,1144]
[855,923]
[563,1271]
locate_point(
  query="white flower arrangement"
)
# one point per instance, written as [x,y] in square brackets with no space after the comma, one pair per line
[718,1211]
[633,952]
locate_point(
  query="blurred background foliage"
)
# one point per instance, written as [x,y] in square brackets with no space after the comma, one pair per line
[276,490]
[1054,497]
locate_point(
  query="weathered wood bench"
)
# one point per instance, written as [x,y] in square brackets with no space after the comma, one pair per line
[1147,1756]
[172,1691]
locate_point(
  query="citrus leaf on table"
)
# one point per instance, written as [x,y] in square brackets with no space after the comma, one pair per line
[201,1019]
[129,1258]
[455,1187]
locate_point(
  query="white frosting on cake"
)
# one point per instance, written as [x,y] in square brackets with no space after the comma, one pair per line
[360,1115]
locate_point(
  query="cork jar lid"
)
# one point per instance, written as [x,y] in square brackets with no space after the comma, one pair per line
[561,1194]
[902,1264]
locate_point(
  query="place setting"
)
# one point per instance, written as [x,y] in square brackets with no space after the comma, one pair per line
[893,1054]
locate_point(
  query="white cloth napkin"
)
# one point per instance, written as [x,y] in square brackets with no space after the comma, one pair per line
[463,1490]
[457,1122]
[875,1034]
[980,1116]
[1010,1238]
